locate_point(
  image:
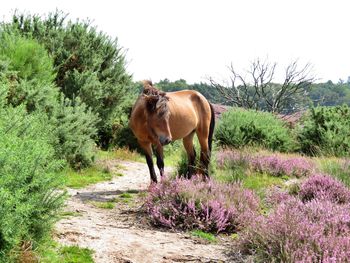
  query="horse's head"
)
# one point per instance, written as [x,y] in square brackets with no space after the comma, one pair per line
[157,112]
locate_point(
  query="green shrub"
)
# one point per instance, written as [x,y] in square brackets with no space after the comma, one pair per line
[238,128]
[26,73]
[90,64]
[121,134]
[29,202]
[326,131]
[27,57]
[29,72]
[75,128]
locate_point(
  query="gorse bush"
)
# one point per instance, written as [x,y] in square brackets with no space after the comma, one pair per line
[121,134]
[238,128]
[28,71]
[74,130]
[326,131]
[27,57]
[194,204]
[90,65]
[29,202]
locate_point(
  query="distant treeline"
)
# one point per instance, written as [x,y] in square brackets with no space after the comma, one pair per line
[320,94]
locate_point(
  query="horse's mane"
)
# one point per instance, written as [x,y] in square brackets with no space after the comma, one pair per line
[149,89]
[156,100]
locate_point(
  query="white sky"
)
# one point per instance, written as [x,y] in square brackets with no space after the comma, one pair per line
[194,39]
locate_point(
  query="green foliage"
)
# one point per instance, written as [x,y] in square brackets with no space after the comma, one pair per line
[74,129]
[120,133]
[176,156]
[27,57]
[232,174]
[84,177]
[204,235]
[103,205]
[326,131]
[330,94]
[75,254]
[174,153]
[52,252]
[127,154]
[213,95]
[339,169]
[89,64]
[181,166]
[29,72]
[29,202]
[26,73]
[238,128]
[261,182]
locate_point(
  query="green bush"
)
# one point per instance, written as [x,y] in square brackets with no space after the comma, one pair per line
[90,64]
[120,133]
[326,131]
[75,128]
[239,128]
[29,72]
[27,57]
[26,72]
[29,202]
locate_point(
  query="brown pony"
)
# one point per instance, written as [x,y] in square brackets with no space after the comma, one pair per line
[158,118]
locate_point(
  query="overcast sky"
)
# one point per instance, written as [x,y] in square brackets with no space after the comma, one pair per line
[194,39]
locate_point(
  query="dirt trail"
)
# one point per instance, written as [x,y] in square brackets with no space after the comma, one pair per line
[122,234]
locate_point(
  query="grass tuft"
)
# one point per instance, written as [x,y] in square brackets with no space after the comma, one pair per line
[103,205]
[204,235]
[69,213]
[52,252]
[85,177]
[75,254]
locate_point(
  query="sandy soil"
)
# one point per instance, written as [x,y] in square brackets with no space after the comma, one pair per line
[123,234]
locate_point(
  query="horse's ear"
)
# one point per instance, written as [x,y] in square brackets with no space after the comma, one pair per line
[147,84]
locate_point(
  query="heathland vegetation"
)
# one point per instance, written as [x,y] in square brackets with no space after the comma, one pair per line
[278,191]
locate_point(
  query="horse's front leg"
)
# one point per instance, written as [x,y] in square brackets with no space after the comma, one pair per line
[147,147]
[160,159]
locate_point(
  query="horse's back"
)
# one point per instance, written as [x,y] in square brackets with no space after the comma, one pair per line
[189,111]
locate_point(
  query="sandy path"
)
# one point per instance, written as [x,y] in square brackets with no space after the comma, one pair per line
[122,234]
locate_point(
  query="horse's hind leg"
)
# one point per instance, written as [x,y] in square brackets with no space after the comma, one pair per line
[160,159]
[205,152]
[191,154]
[147,147]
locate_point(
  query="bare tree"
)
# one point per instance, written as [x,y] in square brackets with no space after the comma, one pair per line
[257,89]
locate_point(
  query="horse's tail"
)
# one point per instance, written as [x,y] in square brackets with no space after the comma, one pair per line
[211,127]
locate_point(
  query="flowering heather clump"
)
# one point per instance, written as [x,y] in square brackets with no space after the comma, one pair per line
[324,187]
[275,196]
[208,205]
[278,166]
[231,158]
[316,231]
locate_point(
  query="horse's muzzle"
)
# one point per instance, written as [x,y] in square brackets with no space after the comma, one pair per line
[164,140]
